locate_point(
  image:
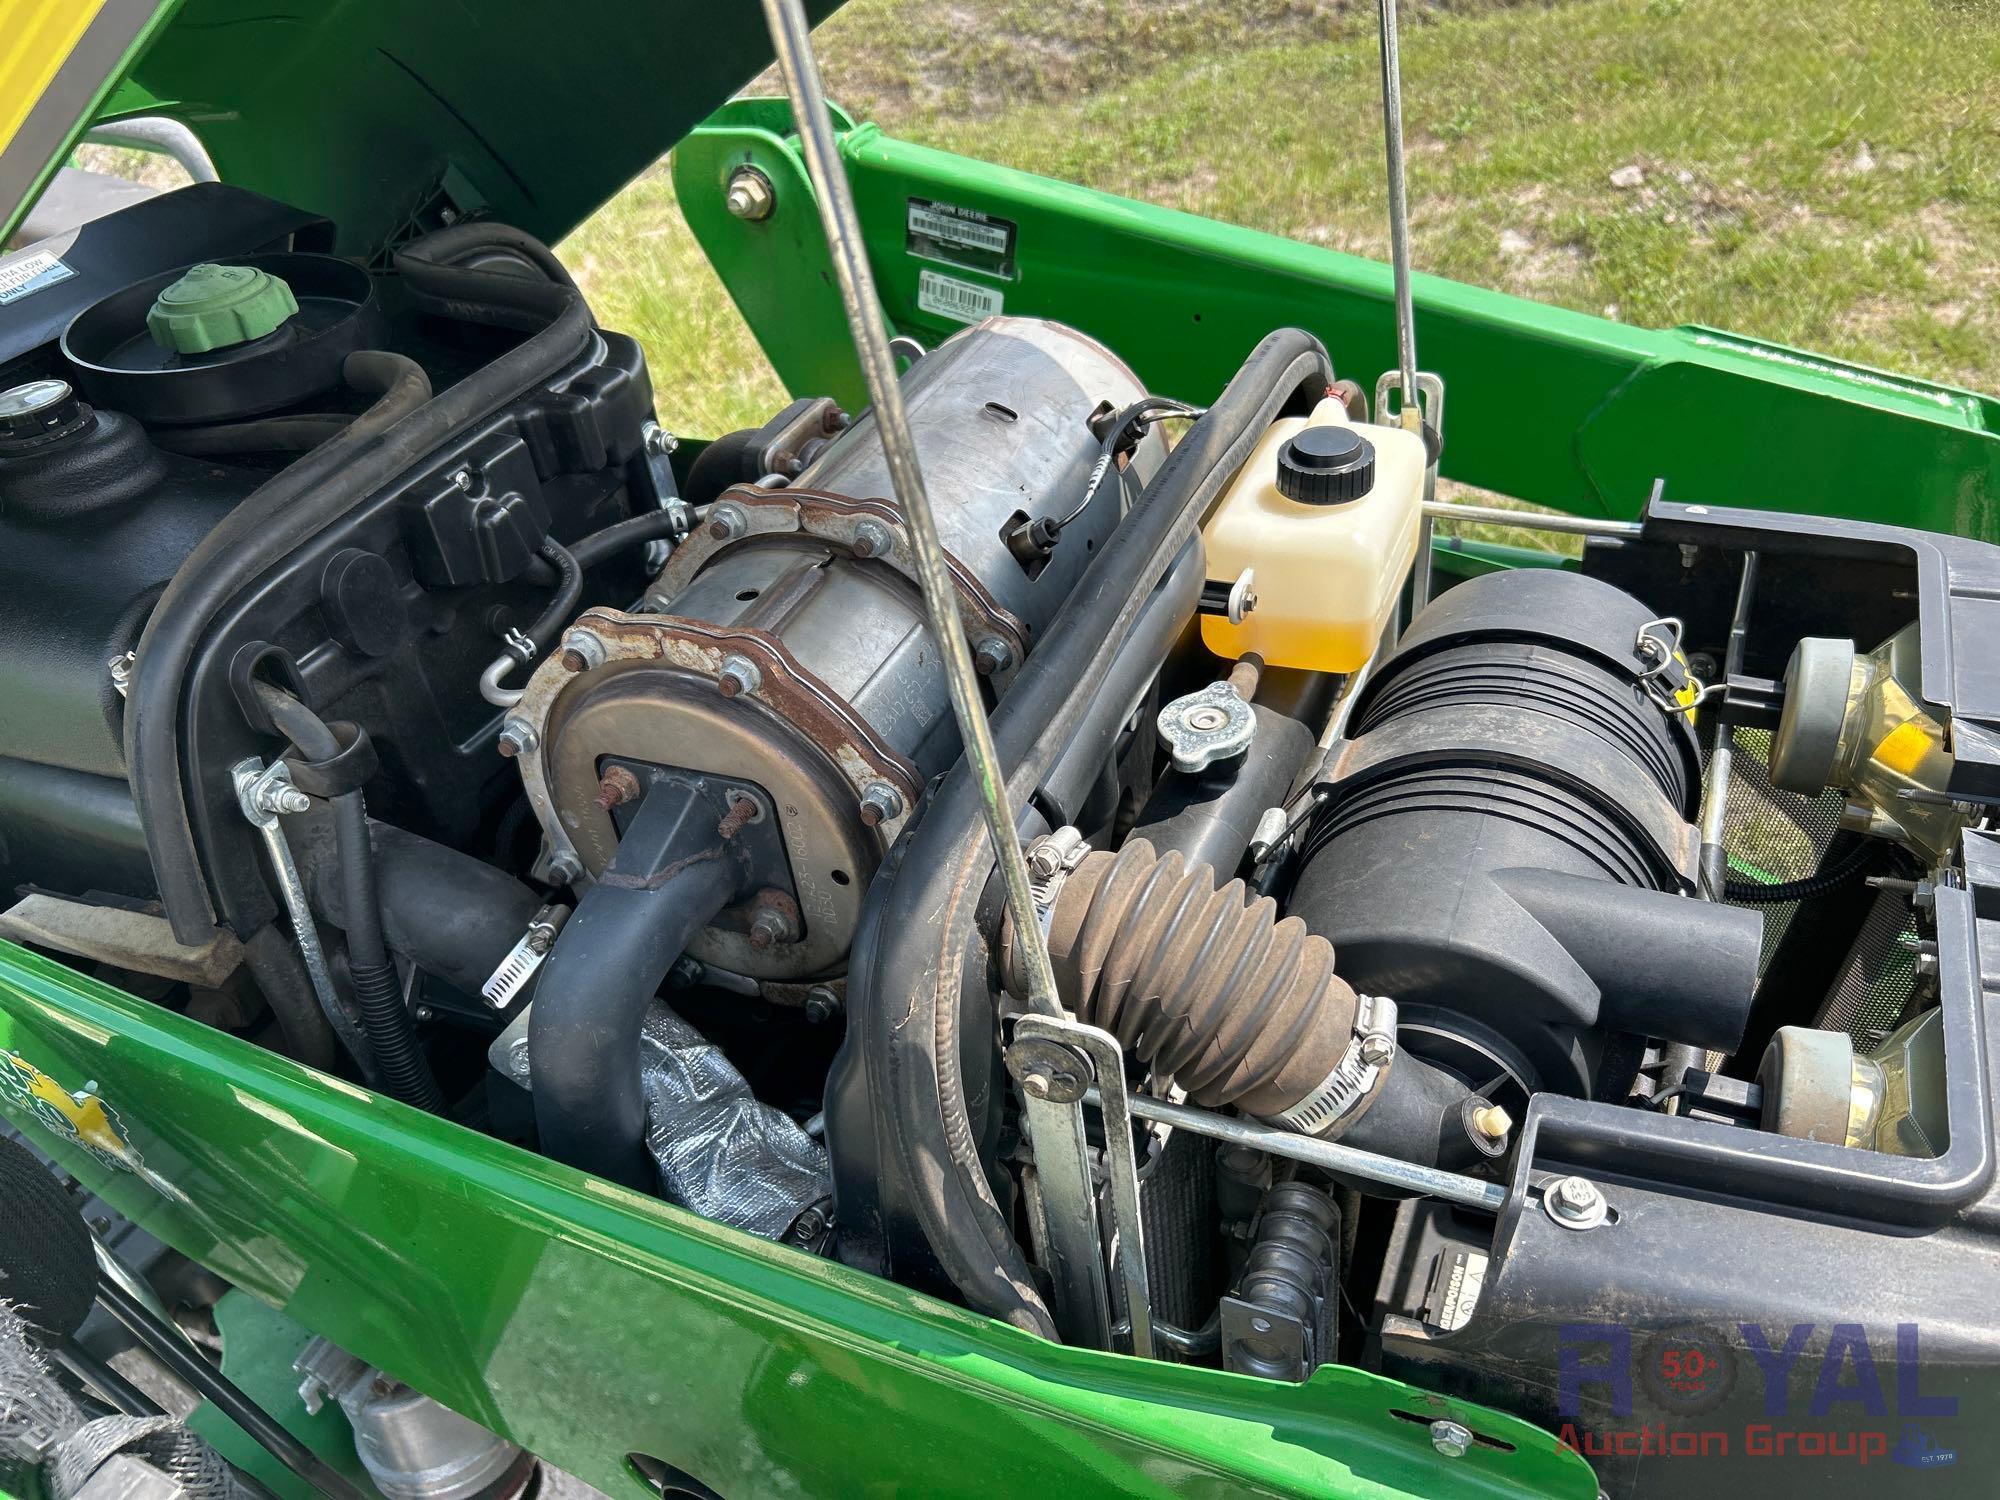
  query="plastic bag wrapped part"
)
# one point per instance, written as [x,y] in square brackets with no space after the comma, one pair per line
[722,1152]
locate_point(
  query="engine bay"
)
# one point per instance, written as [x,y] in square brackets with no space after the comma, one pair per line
[386,684]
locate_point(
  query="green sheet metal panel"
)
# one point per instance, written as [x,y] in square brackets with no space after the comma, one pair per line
[1546,405]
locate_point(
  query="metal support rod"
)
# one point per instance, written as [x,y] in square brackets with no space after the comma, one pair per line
[1721,759]
[1350,1161]
[1444,510]
[1399,212]
[800,69]
[1409,407]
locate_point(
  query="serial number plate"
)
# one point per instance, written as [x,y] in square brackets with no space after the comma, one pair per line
[962,237]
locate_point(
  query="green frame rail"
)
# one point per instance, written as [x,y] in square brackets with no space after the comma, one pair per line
[1553,407]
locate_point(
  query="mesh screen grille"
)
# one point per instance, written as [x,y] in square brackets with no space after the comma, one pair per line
[1775,836]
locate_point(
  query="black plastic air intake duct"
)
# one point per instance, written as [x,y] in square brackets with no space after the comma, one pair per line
[1507,845]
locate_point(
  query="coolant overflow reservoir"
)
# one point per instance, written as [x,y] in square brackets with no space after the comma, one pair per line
[1326,512]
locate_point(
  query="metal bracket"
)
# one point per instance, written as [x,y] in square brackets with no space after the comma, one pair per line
[1430,415]
[262,792]
[1062,1162]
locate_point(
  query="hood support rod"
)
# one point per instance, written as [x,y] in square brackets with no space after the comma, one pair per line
[791,39]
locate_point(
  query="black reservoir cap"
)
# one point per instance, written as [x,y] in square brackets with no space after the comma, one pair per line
[1327,465]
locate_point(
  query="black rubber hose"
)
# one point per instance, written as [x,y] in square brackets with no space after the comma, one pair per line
[296,434]
[602,546]
[400,1064]
[904,1007]
[676,866]
[435,272]
[400,429]
[452,915]
[1832,878]
[719,465]
[561,606]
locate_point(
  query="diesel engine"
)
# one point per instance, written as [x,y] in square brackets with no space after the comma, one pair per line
[383,681]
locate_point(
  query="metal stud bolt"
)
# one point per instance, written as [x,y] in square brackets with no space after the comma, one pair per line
[738,676]
[750,195]
[880,802]
[517,737]
[872,539]
[727,522]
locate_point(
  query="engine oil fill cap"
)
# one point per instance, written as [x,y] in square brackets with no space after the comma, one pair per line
[1326,465]
[214,307]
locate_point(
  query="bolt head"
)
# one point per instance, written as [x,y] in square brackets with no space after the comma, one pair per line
[1377,1049]
[1452,1439]
[750,195]
[992,656]
[517,1058]
[462,479]
[1492,1121]
[1576,1197]
[880,802]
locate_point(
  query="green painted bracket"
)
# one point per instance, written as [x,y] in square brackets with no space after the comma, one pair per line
[587,1322]
[1550,406]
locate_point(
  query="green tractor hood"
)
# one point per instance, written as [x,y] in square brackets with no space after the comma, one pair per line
[372,111]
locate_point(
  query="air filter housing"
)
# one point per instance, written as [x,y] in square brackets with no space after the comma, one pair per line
[1506,846]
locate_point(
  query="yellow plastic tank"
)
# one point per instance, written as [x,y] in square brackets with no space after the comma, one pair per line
[1326,515]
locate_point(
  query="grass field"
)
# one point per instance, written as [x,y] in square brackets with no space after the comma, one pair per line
[1827,175]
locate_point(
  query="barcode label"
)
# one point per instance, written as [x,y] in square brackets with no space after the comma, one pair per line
[962,237]
[30,273]
[949,297]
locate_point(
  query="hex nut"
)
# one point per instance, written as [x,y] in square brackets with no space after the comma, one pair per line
[872,539]
[738,676]
[880,802]
[727,522]
[582,651]
[564,869]
[750,196]
[517,737]
[992,656]
[658,440]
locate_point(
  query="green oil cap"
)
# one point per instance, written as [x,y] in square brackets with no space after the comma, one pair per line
[212,307]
